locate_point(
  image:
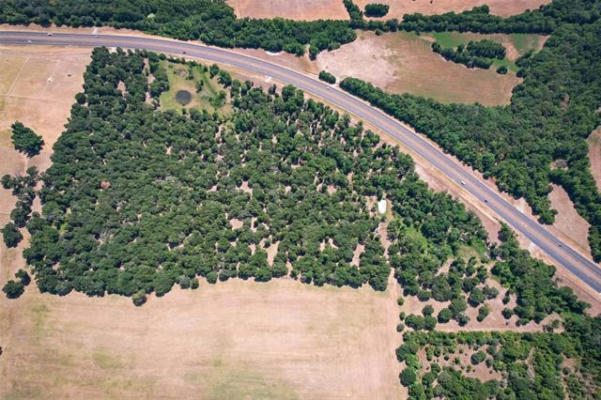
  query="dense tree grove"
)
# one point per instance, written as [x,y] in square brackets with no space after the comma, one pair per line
[531,364]
[544,20]
[25,140]
[376,10]
[551,114]
[211,21]
[138,199]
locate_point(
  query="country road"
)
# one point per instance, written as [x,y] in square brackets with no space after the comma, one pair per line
[565,256]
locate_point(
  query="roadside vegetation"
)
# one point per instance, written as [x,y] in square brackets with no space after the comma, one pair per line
[519,144]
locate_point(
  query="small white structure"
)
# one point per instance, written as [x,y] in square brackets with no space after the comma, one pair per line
[382,207]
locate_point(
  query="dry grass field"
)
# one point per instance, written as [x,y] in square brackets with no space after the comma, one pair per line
[302,10]
[308,10]
[236,339]
[405,63]
[498,7]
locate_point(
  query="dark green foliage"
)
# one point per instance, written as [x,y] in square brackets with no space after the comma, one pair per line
[478,357]
[25,140]
[23,277]
[327,77]
[462,56]
[211,21]
[376,9]
[353,10]
[483,313]
[486,48]
[532,281]
[479,54]
[13,289]
[146,201]
[11,235]
[502,70]
[408,377]
[516,356]
[544,20]
[551,114]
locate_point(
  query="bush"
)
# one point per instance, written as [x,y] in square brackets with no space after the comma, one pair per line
[408,377]
[25,140]
[327,77]
[139,298]
[376,10]
[478,357]
[13,289]
[11,235]
[23,277]
[502,70]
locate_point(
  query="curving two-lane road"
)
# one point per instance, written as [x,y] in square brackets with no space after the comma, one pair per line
[565,256]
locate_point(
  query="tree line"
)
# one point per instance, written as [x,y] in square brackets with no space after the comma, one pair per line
[211,21]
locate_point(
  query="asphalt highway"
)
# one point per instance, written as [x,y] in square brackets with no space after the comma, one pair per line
[565,256]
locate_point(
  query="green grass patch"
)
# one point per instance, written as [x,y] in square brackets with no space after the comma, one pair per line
[184,77]
[524,42]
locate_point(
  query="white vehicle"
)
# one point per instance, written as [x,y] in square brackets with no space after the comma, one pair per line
[29,41]
[49,33]
[462,182]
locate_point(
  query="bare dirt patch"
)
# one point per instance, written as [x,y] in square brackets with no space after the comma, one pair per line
[236,339]
[567,219]
[594,154]
[405,63]
[302,10]
[428,7]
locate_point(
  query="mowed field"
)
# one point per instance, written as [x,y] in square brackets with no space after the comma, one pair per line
[309,10]
[236,339]
[405,63]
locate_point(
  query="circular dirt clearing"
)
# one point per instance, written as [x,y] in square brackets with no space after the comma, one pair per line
[183,97]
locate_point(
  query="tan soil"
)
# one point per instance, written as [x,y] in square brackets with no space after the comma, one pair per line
[405,63]
[302,10]
[594,153]
[429,7]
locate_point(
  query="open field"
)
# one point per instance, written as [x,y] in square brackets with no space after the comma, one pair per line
[405,63]
[236,339]
[302,10]
[498,7]
[309,10]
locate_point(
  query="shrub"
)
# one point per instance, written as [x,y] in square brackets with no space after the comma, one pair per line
[408,377]
[11,235]
[376,10]
[327,77]
[13,289]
